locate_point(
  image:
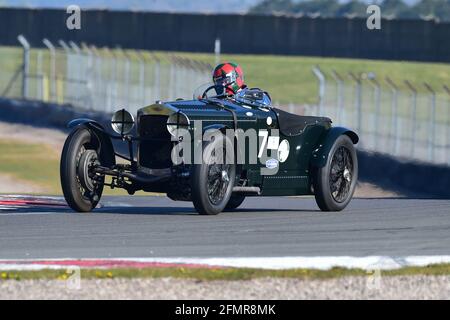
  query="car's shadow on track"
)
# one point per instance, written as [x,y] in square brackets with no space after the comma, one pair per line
[146,210]
[185,210]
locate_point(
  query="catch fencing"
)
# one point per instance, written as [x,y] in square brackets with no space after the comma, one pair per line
[406,120]
[100,79]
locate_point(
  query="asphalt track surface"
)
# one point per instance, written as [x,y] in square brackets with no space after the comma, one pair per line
[264,227]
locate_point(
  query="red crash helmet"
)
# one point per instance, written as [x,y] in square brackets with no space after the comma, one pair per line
[230,76]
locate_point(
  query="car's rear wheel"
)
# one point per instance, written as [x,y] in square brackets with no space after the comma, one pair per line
[235,201]
[335,183]
[213,180]
[81,187]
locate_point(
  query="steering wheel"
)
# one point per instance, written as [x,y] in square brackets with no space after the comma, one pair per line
[214,87]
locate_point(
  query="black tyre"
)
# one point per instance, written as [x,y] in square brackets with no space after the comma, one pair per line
[82,189]
[212,182]
[334,184]
[235,201]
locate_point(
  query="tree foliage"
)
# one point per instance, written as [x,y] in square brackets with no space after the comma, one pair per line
[439,9]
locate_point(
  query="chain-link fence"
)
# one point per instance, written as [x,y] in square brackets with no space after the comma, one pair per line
[101,79]
[412,123]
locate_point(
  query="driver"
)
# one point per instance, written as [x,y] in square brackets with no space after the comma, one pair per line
[229,76]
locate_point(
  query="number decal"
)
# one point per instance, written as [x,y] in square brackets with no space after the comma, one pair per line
[264,134]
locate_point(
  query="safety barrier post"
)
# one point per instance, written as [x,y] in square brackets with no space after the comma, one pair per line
[413,117]
[377,107]
[45,89]
[432,122]
[113,92]
[339,95]
[59,90]
[91,77]
[447,141]
[322,85]
[79,69]
[52,50]
[217,45]
[394,114]
[68,54]
[127,76]
[157,76]
[101,82]
[25,64]
[142,64]
[358,101]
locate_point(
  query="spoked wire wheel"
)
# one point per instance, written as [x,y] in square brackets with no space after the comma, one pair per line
[88,182]
[82,188]
[341,173]
[213,180]
[335,183]
[218,181]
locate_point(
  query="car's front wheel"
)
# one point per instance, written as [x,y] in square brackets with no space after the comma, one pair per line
[213,180]
[234,202]
[81,187]
[334,184]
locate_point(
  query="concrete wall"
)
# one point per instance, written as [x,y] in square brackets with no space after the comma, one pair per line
[332,37]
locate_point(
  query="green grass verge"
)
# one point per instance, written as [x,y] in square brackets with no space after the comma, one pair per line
[220,274]
[287,78]
[34,163]
[290,79]
[37,164]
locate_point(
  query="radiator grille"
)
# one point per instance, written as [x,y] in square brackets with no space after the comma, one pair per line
[155,152]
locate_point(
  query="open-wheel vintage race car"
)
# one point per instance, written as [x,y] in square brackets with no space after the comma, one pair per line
[214,150]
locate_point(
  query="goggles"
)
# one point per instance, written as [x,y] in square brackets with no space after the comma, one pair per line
[225,80]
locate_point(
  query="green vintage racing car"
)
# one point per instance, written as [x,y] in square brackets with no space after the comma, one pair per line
[264,151]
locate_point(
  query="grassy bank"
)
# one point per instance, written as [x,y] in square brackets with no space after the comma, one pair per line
[37,164]
[206,274]
[34,163]
[287,78]
[290,79]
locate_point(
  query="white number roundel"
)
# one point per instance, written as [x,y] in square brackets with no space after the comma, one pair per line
[283,151]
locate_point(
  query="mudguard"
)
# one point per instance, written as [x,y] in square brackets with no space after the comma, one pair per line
[320,154]
[107,154]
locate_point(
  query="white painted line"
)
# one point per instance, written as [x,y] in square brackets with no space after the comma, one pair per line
[322,263]
[275,263]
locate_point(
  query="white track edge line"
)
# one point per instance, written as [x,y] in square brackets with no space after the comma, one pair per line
[276,263]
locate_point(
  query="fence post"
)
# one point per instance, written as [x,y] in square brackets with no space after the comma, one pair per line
[358,101]
[40,74]
[447,144]
[217,45]
[141,57]
[68,53]
[291,107]
[339,95]
[157,77]
[78,68]
[394,114]
[113,92]
[90,76]
[25,64]
[52,50]
[432,123]
[322,84]
[377,102]
[127,76]
[413,117]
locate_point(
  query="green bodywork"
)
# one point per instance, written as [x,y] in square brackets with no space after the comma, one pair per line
[308,147]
